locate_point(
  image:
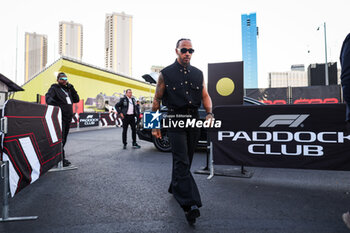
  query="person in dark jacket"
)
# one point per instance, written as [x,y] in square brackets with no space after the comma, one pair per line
[138,106]
[345,82]
[63,95]
[128,110]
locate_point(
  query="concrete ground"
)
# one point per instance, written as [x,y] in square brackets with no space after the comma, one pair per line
[117,190]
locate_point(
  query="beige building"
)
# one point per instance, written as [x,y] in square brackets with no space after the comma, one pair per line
[156,69]
[118,43]
[288,79]
[71,40]
[35,54]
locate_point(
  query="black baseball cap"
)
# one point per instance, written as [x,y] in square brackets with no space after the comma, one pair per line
[62,76]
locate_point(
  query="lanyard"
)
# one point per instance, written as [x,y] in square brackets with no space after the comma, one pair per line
[65,92]
[67,96]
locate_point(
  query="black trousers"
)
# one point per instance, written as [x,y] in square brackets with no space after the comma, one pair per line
[65,131]
[183,186]
[129,120]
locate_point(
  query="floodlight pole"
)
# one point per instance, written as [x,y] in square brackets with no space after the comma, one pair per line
[325,52]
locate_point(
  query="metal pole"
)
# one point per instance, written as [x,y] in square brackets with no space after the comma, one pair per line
[4,176]
[16,54]
[211,161]
[289,93]
[325,52]
[5,203]
[207,152]
[242,170]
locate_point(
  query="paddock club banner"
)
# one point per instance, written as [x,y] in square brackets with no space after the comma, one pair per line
[88,119]
[33,141]
[282,136]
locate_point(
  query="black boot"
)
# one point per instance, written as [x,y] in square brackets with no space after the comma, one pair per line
[192,214]
[66,163]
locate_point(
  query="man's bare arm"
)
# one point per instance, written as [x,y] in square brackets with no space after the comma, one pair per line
[160,89]
[159,93]
[207,104]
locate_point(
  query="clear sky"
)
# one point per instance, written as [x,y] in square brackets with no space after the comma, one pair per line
[288,30]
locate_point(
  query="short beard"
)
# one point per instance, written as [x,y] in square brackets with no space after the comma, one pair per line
[183,63]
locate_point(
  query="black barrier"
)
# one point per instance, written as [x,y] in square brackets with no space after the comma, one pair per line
[108,119]
[269,95]
[297,95]
[316,94]
[88,119]
[284,136]
[225,83]
[32,143]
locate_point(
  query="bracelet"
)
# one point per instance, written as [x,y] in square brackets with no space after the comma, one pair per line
[210,113]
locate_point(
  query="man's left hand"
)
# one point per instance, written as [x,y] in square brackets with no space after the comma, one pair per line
[209,118]
[156,133]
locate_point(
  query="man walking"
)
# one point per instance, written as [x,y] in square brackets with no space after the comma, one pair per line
[128,110]
[181,88]
[63,94]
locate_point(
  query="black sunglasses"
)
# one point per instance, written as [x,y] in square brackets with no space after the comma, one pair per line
[184,50]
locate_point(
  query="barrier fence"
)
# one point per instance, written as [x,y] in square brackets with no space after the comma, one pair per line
[297,95]
[31,144]
[284,136]
[104,119]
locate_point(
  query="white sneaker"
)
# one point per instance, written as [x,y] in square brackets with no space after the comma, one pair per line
[346,219]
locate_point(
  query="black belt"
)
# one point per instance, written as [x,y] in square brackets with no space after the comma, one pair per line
[183,111]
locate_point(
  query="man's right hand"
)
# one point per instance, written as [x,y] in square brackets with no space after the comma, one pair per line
[156,133]
[122,115]
[69,85]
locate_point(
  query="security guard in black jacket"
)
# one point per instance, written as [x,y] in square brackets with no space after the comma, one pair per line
[129,112]
[181,88]
[63,95]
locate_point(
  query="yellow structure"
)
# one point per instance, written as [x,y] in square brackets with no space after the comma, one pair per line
[89,81]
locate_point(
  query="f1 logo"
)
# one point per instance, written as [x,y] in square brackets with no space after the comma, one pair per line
[293,120]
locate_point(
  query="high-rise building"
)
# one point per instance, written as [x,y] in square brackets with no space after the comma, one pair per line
[118,43]
[71,40]
[35,54]
[156,69]
[298,67]
[249,50]
[316,74]
[294,78]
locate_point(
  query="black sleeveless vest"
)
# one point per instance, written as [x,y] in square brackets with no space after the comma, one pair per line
[183,86]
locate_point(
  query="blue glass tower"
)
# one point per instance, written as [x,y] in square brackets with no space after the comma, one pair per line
[249,50]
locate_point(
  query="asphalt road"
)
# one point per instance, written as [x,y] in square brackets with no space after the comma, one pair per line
[117,190]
